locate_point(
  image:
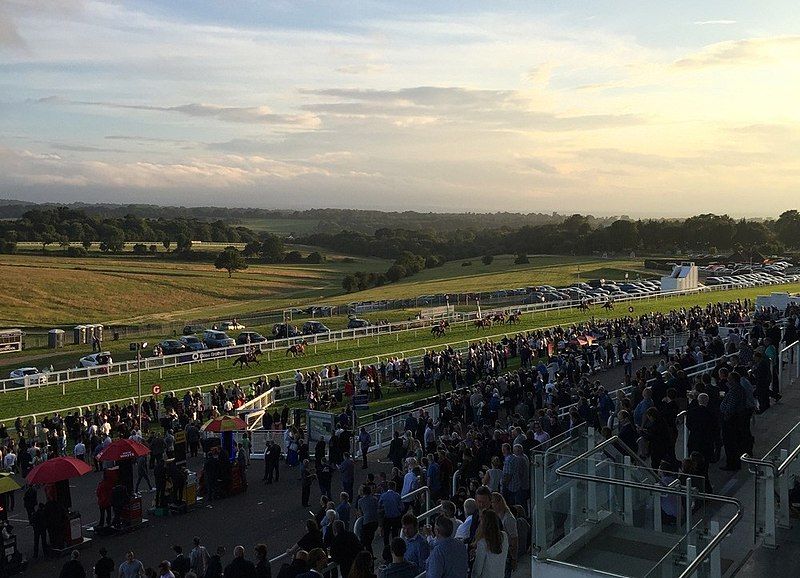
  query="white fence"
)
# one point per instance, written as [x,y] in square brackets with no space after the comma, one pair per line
[97,373]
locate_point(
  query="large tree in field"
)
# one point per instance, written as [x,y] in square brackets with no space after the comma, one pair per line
[788,228]
[231,260]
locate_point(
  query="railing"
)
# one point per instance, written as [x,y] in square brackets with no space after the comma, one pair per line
[395,328]
[587,462]
[788,356]
[774,476]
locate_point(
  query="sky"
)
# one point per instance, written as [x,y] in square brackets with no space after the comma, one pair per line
[625,107]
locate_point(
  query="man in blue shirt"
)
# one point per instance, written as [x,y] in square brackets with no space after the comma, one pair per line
[434,479]
[343,509]
[392,508]
[346,469]
[449,557]
[417,549]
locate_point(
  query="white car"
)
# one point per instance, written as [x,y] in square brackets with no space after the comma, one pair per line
[95,359]
[231,326]
[30,375]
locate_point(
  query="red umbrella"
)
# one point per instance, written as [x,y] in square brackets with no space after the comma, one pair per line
[57,470]
[225,423]
[123,449]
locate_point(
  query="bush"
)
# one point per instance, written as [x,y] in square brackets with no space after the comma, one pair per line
[521,259]
[395,273]
[76,252]
[153,249]
[315,258]
[140,249]
[293,257]
[466,264]
[487,259]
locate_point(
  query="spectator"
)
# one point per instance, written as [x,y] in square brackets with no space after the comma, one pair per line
[131,567]
[448,559]
[239,567]
[399,566]
[73,568]
[491,548]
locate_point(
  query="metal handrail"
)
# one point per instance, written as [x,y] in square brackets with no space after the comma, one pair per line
[746,458]
[680,419]
[715,541]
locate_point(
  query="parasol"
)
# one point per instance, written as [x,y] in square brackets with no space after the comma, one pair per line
[225,423]
[123,449]
[57,470]
[8,483]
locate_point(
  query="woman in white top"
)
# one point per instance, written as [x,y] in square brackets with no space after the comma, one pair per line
[491,547]
[494,476]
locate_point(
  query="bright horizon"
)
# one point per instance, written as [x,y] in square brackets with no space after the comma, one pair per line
[610,108]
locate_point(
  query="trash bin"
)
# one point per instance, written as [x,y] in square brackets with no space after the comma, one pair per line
[79,334]
[55,338]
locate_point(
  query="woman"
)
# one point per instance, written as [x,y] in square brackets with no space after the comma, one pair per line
[493,476]
[491,547]
[363,566]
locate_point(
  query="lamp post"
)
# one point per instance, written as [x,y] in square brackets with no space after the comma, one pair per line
[138,348]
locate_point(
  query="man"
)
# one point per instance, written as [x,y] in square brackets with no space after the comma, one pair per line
[104,567]
[434,477]
[39,523]
[344,547]
[417,549]
[392,508]
[79,451]
[298,566]
[73,568]
[733,410]
[449,557]
[180,565]
[368,508]
[317,560]
[399,568]
[198,558]
[141,473]
[307,477]
[346,469]
[271,459]
[465,528]
[214,569]
[703,426]
[131,567]
[396,450]
[364,441]
[343,509]
[239,567]
[165,570]
[511,481]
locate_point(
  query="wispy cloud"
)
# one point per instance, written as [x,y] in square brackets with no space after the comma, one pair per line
[741,52]
[714,22]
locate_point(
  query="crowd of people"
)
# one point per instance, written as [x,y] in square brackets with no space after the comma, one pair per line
[485,429]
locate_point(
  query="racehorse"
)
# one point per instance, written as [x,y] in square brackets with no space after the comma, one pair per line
[246,359]
[499,317]
[440,328]
[608,304]
[513,318]
[484,323]
[584,306]
[297,349]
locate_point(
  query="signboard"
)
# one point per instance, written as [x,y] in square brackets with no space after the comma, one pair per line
[180,447]
[156,389]
[360,401]
[321,424]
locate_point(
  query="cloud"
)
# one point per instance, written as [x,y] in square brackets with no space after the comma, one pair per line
[84,148]
[490,109]
[745,51]
[247,115]
[363,68]
[714,22]
[9,34]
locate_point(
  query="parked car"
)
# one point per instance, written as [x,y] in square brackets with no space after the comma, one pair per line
[31,374]
[356,323]
[172,347]
[231,326]
[95,359]
[314,327]
[213,338]
[193,329]
[192,342]
[246,337]
[284,331]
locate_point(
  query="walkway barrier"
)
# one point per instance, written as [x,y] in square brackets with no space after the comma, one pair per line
[600,509]
[789,364]
[775,474]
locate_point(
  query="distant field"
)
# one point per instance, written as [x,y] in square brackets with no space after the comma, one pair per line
[503,274]
[41,290]
[281,227]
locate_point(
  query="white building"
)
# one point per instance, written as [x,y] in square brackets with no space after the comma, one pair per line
[682,278]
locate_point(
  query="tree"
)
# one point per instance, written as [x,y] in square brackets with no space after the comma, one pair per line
[272,248]
[87,242]
[293,257]
[788,228]
[64,242]
[140,249]
[521,259]
[166,241]
[315,258]
[349,283]
[231,260]
[252,249]
[487,259]
[395,273]
[153,249]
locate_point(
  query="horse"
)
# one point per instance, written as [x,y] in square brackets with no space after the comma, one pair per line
[584,306]
[608,305]
[297,349]
[484,323]
[246,359]
[499,318]
[513,318]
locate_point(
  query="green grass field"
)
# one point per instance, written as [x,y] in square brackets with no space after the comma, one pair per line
[282,227]
[49,398]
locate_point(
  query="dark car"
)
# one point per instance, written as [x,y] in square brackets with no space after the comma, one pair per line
[284,330]
[214,339]
[356,323]
[192,342]
[193,329]
[246,337]
[313,327]
[172,347]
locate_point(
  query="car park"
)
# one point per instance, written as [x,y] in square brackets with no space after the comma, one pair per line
[246,337]
[284,331]
[95,359]
[172,347]
[356,323]
[314,327]
[213,338]
[192,342]
[29,375]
